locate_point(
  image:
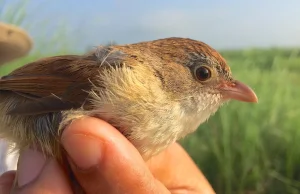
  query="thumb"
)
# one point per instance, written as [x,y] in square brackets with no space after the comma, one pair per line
[104,161]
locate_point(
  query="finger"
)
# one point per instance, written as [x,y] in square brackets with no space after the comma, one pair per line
[177,171]
[104,161]
[38,174]
[6,181]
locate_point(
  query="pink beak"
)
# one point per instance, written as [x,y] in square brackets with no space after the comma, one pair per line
[238,91]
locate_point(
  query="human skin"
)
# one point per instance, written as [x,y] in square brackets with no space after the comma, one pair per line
[104,161]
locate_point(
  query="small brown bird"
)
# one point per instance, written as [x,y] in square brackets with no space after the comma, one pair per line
[153,92]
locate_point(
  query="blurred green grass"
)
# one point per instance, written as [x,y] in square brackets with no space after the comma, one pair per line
[249,148]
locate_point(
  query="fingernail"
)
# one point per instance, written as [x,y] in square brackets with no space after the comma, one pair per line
[30,164]
[84,150]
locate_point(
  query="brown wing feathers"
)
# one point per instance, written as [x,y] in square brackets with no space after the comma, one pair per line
[51,84]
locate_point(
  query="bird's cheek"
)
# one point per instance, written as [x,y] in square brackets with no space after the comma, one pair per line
[237,90]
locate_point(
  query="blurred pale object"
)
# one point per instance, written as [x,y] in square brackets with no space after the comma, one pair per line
[14,42]
[8,158]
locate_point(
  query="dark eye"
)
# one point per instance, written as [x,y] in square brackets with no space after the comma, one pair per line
[203,73]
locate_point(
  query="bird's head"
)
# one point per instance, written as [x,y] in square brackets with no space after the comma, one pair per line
[198,72]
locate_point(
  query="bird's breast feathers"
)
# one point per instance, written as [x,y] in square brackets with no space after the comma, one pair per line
[137,105]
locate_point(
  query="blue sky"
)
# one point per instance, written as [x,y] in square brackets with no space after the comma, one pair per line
[220,23]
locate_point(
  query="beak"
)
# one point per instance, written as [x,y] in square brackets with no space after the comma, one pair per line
[238,91]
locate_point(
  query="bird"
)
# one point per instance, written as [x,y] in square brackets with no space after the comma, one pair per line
[154,92]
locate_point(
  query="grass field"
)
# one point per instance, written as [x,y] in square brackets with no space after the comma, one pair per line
[249,148]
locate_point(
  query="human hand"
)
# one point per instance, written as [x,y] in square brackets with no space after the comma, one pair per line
[104,161]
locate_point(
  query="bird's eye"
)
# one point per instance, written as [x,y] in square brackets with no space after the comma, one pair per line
[203,73]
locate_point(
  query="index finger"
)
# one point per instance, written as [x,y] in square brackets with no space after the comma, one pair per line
[177,171]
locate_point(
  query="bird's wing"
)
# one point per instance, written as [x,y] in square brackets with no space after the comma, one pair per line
[52,84]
